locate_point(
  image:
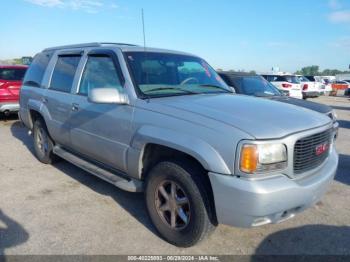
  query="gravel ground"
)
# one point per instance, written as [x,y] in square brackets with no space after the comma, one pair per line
[61,209]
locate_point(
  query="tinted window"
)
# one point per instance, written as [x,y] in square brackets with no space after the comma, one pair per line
[63,74]
[12,74]
[99,72]
[311,78]
[36,71]
[256,86]
[290,79]
[270,78]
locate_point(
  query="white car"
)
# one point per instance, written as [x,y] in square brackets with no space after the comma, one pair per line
[318,83]
[309,88]
[290,84]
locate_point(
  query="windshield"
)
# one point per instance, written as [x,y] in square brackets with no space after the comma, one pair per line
[12,74]
[256,86]
[164,74]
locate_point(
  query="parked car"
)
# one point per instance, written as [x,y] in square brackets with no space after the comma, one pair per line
[347,91]
[318,83]
[10,83]
[290,84]
[327,86]
[165,123]
[255,85]
[309,88]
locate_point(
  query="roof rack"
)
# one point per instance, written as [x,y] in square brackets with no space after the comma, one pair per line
[95,44]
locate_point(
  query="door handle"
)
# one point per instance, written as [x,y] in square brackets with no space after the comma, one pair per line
[75,107]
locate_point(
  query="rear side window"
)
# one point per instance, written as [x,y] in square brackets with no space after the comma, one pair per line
[12,74]
[63,74]
[36,71]
[100,72]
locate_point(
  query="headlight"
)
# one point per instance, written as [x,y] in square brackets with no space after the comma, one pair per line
[258,158]
[335,117]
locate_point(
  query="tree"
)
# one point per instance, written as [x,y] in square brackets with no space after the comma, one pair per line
[309,70]
[314,71]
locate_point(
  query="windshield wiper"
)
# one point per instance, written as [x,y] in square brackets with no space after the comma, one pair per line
[170,88]
[215,86]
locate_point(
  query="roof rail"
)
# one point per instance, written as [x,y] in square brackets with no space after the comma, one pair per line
[94,44]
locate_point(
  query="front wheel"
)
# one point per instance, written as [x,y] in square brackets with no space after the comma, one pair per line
[178,204]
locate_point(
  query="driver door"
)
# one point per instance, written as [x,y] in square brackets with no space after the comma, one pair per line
[101,132]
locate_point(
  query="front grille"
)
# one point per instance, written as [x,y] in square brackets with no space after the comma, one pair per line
[306,155]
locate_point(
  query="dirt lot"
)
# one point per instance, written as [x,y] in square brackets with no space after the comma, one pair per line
[61,209]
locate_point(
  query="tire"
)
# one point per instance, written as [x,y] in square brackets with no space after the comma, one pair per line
[43,144]
[198,208]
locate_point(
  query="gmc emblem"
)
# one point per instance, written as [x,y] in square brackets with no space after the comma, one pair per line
[320,149]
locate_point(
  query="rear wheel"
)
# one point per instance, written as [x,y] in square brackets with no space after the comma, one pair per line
[177,203]
[43,144]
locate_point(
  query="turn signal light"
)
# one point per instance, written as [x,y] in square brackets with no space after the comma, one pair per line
[249,158]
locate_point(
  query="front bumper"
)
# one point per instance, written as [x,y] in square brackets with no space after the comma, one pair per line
[245,203]
[8,106]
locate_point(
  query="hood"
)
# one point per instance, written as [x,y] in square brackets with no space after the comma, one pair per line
[303,103]
[261,118]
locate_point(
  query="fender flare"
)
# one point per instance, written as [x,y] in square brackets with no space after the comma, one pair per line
[203,152]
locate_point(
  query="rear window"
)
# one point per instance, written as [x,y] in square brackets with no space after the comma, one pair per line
[270,78]
[36,71]
[289,79]
[63,74]
[311,78]
[12,74]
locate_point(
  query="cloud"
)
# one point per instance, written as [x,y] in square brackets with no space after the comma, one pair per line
[334,4]
[340,16]
[89,6]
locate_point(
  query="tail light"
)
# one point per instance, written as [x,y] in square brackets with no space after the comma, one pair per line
[1,84]
[286,85]
[305,87]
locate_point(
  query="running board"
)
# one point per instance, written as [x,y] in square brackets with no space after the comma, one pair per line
[131,185]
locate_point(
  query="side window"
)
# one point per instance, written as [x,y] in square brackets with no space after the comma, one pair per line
[63,74]
[36,71]
[99,72]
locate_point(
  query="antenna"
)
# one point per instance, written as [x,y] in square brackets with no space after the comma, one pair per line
[143,28]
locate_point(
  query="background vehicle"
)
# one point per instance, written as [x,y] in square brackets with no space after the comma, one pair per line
[347,91]
[165,123]
[287,83]
[340,86]
[309,88]
[10,83]
[318,83]
[255,85]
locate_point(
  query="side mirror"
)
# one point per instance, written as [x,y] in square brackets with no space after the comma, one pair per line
[107,96]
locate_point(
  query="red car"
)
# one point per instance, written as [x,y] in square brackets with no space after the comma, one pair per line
[10,83]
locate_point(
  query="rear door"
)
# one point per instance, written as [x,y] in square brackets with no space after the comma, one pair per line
[101,132]
[58,98]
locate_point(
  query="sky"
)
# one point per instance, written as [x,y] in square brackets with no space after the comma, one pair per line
[229,34]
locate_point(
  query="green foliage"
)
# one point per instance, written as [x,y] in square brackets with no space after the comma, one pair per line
[314,71]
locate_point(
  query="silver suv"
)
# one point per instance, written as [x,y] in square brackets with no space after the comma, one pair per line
[165,123]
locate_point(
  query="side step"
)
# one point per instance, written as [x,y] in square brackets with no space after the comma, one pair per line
[131,185]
